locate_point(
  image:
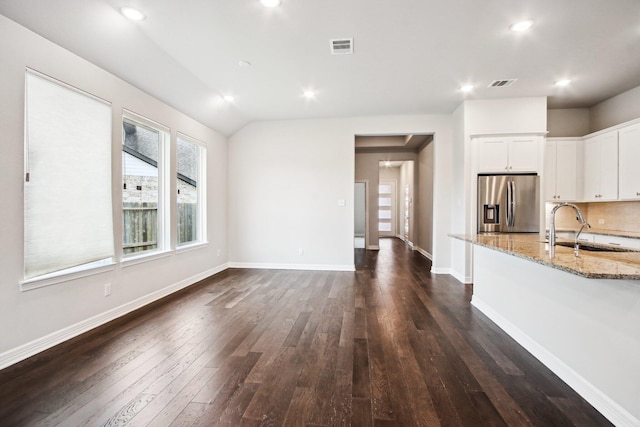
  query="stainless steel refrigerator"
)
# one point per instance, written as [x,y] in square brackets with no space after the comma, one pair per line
[508,204]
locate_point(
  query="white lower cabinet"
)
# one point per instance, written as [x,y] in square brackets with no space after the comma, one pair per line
[624,242]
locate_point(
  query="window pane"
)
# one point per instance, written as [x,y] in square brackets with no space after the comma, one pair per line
[188,167]
[384,201]
[67,196]
[384,226]
[140,194]
[384,214]
[384,189]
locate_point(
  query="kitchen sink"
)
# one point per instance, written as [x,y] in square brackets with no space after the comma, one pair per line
[597,248]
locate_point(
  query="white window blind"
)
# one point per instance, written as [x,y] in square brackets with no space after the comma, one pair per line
[67,190]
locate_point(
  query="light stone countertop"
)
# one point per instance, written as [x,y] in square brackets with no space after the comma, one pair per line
[594,265]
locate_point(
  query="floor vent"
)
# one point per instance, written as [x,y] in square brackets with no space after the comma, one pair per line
[502,83]
[341,46]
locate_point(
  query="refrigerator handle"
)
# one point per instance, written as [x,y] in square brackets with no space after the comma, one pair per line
[508,204]
[513,204]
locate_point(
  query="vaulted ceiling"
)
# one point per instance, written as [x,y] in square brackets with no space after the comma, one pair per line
[409,56]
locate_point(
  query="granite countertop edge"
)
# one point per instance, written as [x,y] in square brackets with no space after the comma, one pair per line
[558,266]
[603,232]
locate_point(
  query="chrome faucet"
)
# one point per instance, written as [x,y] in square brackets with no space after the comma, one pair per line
[552,226]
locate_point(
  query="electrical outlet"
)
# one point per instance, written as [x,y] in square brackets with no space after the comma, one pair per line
[107,289]
[300,251]
[601,221]
[218,251]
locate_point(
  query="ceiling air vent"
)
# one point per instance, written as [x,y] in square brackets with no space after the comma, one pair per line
[341,46]
[502,83]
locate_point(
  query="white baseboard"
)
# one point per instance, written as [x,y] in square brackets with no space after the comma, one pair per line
[604,404]
[440,270]
[424,253]
[467,280]
[34,347]
[275,266]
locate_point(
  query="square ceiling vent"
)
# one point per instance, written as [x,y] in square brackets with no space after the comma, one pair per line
[341,46]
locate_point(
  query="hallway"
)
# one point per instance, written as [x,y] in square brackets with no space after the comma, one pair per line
[388,345]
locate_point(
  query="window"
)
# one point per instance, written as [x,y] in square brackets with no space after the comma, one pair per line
[143,185]
[67,191]
[190,185]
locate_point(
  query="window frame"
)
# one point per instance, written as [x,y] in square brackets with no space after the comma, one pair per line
[164,211]
[201,211]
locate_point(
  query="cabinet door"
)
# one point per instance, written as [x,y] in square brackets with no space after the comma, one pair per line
[566,170]
[493,155]
[609,166]
[629,164]
[591,169]
[523,154]
[549,171]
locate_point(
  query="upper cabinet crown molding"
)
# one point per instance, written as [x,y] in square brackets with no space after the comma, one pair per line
[508,134]
[613,128]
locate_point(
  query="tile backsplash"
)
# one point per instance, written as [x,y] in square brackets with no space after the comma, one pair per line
[619,216]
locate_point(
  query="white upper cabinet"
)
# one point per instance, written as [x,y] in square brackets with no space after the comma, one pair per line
[508,154]
[601,167]
[561,170]
[629,172]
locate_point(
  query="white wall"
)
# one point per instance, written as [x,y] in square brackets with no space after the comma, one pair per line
[460,205]
[285,178]
[35,319]
[513,115]
[619,109]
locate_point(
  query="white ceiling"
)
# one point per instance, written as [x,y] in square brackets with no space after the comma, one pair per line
[410,56]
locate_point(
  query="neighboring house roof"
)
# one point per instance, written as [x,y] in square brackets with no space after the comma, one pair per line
[142,144]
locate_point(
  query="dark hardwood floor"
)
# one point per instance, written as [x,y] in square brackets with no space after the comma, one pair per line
[389,345]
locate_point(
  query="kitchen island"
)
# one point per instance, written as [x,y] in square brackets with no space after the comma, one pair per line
[580,316]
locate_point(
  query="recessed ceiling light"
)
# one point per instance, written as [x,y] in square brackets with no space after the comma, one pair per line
[229,98]
[270,3]
[309,94]
[133,14]
[244,64]
[521,26]
[563,83]
[466,88]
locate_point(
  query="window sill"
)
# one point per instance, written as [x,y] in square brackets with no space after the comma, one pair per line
[139,259]
[191,247]
[69,274]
